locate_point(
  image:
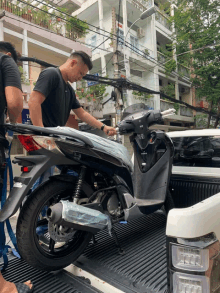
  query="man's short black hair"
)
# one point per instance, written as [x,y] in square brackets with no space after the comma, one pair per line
[6,47]
[85,58]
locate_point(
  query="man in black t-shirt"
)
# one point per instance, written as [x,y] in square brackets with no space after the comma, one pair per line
[53,97]
[10,97]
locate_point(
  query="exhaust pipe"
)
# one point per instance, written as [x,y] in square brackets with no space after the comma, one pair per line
[75,216]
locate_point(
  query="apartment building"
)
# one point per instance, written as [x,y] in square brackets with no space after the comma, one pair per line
[35,33]
[142,61]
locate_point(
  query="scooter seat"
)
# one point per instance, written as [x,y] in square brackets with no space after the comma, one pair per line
[102,144]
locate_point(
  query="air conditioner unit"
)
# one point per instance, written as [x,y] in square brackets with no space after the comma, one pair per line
[184,90]
[140,33]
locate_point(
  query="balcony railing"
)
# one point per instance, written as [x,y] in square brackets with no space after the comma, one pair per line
[183,70]
[161,57]
[162,20]
[141,4]
[165,105]
[46,17]
[184,111]
[148,101]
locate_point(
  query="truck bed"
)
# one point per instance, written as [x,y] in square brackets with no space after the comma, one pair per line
[46,282]
[143,268]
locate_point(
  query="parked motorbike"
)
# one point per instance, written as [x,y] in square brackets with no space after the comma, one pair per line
[59,218]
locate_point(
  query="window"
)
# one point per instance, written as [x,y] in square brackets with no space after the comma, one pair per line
[93,41]
[134,44]
[136,72]
[160,82]
[197,151]
[121,37]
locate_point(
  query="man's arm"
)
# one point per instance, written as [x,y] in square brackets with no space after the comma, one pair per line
[86,117]
[12,88]
[14,101]
[36,99]
[72,122]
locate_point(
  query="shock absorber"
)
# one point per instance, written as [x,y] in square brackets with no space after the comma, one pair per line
[79,184]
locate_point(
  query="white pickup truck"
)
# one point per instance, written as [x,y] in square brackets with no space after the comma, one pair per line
[193,229]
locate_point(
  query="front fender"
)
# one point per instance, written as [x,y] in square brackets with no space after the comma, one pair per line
[24,183]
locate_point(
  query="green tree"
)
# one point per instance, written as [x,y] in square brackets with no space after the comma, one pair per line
[197,25]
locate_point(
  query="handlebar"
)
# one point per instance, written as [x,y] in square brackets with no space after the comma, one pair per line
[168,112]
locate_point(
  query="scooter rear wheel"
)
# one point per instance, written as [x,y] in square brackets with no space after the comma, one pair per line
[41,251]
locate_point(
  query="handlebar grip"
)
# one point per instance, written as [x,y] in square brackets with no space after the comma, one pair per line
[168,112]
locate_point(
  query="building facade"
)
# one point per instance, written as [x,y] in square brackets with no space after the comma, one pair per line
[140,59]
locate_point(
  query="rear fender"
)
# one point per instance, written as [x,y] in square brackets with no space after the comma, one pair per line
[23,184]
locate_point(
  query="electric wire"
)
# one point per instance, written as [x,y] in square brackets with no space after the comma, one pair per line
[129,45]
[103,69]
[78,41]
[66,14]
[123,83]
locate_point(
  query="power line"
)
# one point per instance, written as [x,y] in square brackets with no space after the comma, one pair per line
[133,48]
[125,43]
[103,69]
[115,35]
[35,25]
[100,44]
[129,45]
[66,14]
[121,83]
[193,50]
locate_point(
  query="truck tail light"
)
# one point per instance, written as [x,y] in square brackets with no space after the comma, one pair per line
[191,259]
[187,283]
[194,264]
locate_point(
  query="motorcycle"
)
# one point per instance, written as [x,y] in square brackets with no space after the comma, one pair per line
[59,218]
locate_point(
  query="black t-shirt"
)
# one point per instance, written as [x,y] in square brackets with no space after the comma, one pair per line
[60,97]
[9,76]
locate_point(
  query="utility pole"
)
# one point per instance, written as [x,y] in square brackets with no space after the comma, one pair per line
[116,70]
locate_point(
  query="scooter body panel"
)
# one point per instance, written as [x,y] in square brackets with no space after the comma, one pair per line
[40,164]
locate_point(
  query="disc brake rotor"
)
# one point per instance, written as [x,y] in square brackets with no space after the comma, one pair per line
[59,233]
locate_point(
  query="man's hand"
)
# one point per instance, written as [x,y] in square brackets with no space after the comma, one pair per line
[109,130]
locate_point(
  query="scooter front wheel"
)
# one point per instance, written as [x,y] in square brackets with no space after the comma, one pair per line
[35,243]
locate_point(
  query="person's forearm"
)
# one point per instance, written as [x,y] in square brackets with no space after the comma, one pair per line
[89,119]
[72,122]
[14,113]
[36,114]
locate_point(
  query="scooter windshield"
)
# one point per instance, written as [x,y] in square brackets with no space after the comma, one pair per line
[134,109]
